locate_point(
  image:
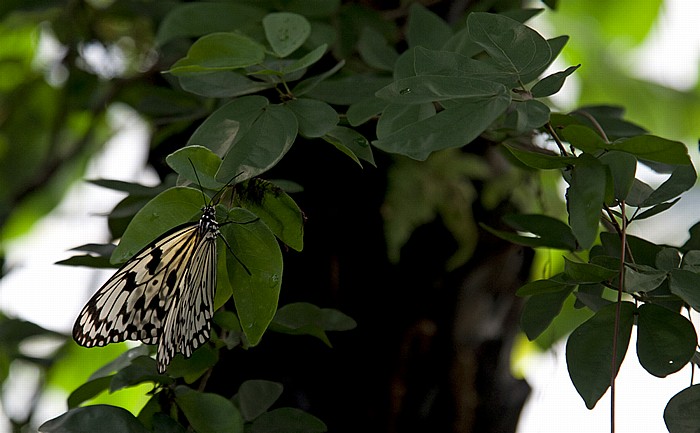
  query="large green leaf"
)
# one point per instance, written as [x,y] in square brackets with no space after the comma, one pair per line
[257,396]
[513,46]
[285,32]
[209,413]
[541,309]
[430,88]
[585,198]
[549,231]
[262,146]
[681,414]
[589,351]
[197,164]
[99,418]
[315,117]
[453,127]
[229,124]
[666,340]
[302,318]
[426,29]
[684,284]
[197,19]
[255,272]
[652,148]
[450,64]
[220,51]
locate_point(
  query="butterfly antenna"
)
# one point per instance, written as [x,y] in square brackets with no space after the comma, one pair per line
[199,183]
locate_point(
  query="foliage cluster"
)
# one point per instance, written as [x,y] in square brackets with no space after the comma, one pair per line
[264,77]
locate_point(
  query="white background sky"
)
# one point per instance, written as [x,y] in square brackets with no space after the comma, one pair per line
[52,296]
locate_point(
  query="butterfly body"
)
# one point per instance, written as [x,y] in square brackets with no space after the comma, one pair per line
[163,295]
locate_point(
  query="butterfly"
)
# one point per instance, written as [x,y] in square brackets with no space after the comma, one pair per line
[163,295]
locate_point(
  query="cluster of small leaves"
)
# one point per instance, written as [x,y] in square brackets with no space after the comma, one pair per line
[599,156]
[250,409]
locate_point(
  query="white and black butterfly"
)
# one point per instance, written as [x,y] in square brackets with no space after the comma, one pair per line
[163,295]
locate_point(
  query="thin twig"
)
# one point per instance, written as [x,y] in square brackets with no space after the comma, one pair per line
[621,283]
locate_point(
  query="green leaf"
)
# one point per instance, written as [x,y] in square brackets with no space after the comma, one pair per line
[540,160]
[362,111]
[397,116]
[310,84]
[220,51]
[285,32]
[349,89]
[315,117]
[453,127]
[684,284]
[691,261]
[262,146]
[541,287]
[192,368]
[655,210]
[351,143]
[585,197]
[306,61]
[141,369]
[375,50]
[666,340]
[681,414]
[668,259]
[589,351]
[302,318]
[540,310]
[220,84]
[276,209]
[587,272]
[429,88]
[551,231]
[623,167]
[552,84]
[287,420]
[446,63]
[87,260]
[528,115]
[227,125]
[165,212]
[652,148]
[513,46]
[99,418]
[88,390]
[643,279]
[197,19]
[205,162]
[682,178]
[255,294]
[257,396]
[584,138]
[426,29]
[207,412]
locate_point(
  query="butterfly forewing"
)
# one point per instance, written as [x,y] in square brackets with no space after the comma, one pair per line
[163,295]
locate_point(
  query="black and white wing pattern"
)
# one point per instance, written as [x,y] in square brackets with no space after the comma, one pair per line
[163,295]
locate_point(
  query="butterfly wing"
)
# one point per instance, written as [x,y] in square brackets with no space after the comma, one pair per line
[134,303]
[188,325]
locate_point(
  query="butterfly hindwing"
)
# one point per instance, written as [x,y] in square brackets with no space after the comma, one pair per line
[163,295]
